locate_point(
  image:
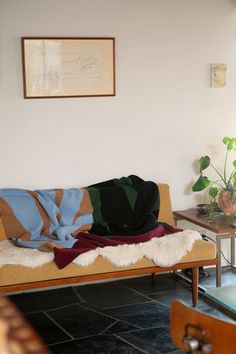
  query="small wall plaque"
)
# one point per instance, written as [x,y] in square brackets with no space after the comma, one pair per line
[218,75]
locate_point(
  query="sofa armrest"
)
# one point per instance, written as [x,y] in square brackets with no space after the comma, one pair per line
[2,230]
[166,212]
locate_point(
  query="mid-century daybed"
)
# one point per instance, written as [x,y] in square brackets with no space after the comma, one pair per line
[17,277]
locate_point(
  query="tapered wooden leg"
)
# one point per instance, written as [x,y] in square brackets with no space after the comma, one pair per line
[195,273]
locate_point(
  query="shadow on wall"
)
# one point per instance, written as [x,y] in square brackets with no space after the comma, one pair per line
[188,187]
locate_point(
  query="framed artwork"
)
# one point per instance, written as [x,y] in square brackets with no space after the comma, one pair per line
[218,75]
[68,67]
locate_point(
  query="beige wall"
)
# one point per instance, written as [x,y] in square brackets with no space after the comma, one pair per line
[164,115]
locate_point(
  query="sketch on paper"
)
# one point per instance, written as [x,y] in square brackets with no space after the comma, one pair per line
[218,75]
[68,67]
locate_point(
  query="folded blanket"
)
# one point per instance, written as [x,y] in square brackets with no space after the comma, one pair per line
[127,206]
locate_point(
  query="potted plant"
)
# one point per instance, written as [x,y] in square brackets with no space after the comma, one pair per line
[222,190]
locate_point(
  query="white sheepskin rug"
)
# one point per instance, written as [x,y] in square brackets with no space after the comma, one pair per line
[163,251]
[28,257]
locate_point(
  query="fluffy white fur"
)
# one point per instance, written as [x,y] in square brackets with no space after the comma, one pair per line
[28,257]
[164,251]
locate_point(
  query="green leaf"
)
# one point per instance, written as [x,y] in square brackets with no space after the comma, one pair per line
[226,139]
[234,163]
[234,143]
[202,183]
[230,145]
[204,162]
[213,191]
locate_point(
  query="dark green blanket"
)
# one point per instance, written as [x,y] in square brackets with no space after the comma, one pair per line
[125,206]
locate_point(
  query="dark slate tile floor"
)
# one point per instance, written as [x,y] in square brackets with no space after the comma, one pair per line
[121,317]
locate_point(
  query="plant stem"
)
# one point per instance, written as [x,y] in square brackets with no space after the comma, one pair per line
[222,178]
[216,182]
[212,184]
[225,166]
[230,177]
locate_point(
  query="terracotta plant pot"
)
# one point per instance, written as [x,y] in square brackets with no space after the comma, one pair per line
[225,202]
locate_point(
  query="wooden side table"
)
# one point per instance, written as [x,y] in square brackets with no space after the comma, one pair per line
[16,335]
[220,225]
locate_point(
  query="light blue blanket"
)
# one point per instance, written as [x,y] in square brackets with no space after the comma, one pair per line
[32,218]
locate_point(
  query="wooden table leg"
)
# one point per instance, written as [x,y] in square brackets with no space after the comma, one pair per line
[195,276]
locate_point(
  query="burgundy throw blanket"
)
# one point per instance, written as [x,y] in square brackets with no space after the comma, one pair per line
[87,242]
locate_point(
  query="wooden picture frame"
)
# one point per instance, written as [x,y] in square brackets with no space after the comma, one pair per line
[68,67]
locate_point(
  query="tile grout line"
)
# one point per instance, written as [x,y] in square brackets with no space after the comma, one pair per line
[116,307]
[105,329]
[58,325]
[148,298]
[109,316]
[131,344]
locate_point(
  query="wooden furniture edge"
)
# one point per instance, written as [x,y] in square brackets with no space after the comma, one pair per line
[178,217]
[218,331]
[218,226]
[117,274]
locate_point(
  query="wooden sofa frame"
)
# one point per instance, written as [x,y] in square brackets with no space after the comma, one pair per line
[194,266]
